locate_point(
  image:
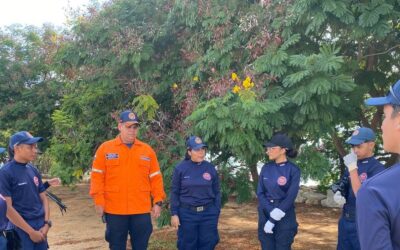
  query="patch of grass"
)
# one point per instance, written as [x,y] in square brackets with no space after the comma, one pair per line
[156,244]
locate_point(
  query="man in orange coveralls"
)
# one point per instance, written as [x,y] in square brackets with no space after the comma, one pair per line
[125,175]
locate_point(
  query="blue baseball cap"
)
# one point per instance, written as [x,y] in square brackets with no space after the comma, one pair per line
[2,150]
[195,142]
[128,116]
[360,136]
[23,137]
[393,97]
[280,140]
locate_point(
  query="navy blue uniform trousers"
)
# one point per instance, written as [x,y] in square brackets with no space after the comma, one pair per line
[138,226]
[198,230]
[284,231]
[26,242]
[348,235]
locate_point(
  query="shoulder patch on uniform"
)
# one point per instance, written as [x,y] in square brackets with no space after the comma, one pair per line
[112,156]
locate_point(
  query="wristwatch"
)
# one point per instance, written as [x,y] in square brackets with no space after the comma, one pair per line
[48,222]
[159,203]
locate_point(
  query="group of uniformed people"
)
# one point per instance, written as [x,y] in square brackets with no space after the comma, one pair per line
[127,188]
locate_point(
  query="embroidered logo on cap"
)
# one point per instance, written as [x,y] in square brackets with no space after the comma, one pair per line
[132,116]
[36,181]
[363,177]
[198,140]
[282,181]
[207,176]
[356,132]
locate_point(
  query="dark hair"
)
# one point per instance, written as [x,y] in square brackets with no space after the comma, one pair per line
[396,111]
[187,156]
[292,153]
[10,153]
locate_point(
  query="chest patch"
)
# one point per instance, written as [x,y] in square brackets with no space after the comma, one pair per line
[110,156]
[363,177]
[36,181]
[282,181]
[206,176]
[145,158]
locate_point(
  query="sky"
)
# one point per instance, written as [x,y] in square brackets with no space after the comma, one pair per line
[37,12]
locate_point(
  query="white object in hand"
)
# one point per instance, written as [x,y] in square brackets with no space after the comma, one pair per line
[350,161]
[339,199]
[277,214]
[268,227]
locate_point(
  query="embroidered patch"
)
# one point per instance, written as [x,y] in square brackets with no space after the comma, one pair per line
[198,140]
[132,116]
[112,156]
[207,176]
[282,181]
[356,132]
[363,177]
[36,181]
[145,158]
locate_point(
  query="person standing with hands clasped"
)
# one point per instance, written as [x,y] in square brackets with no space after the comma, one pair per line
[378,200]
[360,165]
[278,185]
[195,199]
[125,181]
[22,187]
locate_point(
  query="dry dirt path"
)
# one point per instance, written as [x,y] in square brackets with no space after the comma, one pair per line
[81,229]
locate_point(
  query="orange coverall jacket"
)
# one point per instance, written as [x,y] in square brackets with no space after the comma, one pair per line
[124,179]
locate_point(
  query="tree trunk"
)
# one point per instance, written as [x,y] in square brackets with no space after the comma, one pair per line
[340,149]
[254,175]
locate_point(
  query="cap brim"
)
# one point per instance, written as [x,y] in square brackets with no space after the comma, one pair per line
[199,146]
[32,140]
[354,141]
[269,144]
[131,122]
[377,101]
[2,150]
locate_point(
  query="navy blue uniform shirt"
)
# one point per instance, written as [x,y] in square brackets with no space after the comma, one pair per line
[367,168]
[194,184]
[378,211]
[3,213]
[278,182]
[23,183]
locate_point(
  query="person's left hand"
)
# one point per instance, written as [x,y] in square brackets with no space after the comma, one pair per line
[156,211]
[350,161]
[268,227]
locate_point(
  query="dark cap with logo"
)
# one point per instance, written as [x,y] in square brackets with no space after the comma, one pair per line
[280,140]
[23,137]
[128,116]
[360,136]
[393,97]
[195,142]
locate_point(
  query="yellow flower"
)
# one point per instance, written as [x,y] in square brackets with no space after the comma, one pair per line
[234,76]
[236,89]
[247,83]
[174,85]
[196,78]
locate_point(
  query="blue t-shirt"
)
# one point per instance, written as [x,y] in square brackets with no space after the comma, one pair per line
[378,211]
[367,168]
[3,213]
[278,181]
[194,184]
[23,183]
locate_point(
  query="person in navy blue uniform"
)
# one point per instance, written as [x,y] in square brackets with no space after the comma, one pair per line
[22,187]
[195,199]
[3,216]
[278,185]
[378,200]
[360,165]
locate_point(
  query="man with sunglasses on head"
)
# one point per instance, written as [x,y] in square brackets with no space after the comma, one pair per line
[378,200]
[22,187]
[361,164]
[127,185]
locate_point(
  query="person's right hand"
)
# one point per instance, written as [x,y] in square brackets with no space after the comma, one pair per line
[36,236]
[99,210]
[175,221]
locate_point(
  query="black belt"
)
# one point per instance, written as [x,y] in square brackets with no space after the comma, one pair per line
[274,200]
[196,208]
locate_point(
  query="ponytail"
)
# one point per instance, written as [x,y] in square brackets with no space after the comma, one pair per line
[292,153]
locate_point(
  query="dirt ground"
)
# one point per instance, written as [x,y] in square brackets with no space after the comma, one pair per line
[81,229]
